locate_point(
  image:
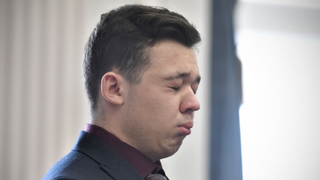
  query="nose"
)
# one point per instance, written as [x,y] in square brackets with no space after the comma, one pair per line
[189,104]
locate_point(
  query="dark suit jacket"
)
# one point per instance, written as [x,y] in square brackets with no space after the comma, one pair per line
[92,159]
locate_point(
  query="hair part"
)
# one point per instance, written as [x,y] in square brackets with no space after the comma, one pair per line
[122,39]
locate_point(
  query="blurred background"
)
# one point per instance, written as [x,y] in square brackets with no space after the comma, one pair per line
[43,105]
[278,42]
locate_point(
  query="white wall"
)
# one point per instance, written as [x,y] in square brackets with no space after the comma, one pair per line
[279,46]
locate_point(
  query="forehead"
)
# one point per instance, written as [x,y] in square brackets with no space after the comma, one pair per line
[172,57]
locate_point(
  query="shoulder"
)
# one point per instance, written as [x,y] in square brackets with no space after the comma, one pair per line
[76,166]
[92,159]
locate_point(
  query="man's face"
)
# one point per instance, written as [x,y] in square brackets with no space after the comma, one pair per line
[159,110]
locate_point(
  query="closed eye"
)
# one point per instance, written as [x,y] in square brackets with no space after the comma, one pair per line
[175,88]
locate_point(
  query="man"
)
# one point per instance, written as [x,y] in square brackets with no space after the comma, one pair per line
[141,76]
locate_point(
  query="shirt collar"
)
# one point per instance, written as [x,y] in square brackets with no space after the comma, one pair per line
[139,161]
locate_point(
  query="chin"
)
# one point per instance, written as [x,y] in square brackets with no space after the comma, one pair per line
[169,153]
[172,149]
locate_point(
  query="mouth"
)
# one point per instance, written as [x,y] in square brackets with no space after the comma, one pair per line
[186,128]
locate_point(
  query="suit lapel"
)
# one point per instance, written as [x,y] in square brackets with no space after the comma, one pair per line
[110,161]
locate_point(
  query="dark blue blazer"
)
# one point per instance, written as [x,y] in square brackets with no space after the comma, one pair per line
[92,159]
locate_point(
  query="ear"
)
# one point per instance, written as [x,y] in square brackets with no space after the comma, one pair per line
[110,88]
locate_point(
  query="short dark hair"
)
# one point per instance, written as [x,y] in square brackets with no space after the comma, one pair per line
[121,40]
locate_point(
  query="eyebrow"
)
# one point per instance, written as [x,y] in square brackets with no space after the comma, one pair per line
[182,75]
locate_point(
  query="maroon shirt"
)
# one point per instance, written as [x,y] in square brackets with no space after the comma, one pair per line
[139,161]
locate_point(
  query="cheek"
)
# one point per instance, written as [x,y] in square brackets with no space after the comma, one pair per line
[158,105]
[164,112]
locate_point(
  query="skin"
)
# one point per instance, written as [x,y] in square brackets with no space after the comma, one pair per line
[155,115]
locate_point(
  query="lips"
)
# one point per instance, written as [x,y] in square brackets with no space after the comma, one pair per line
[186,128]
